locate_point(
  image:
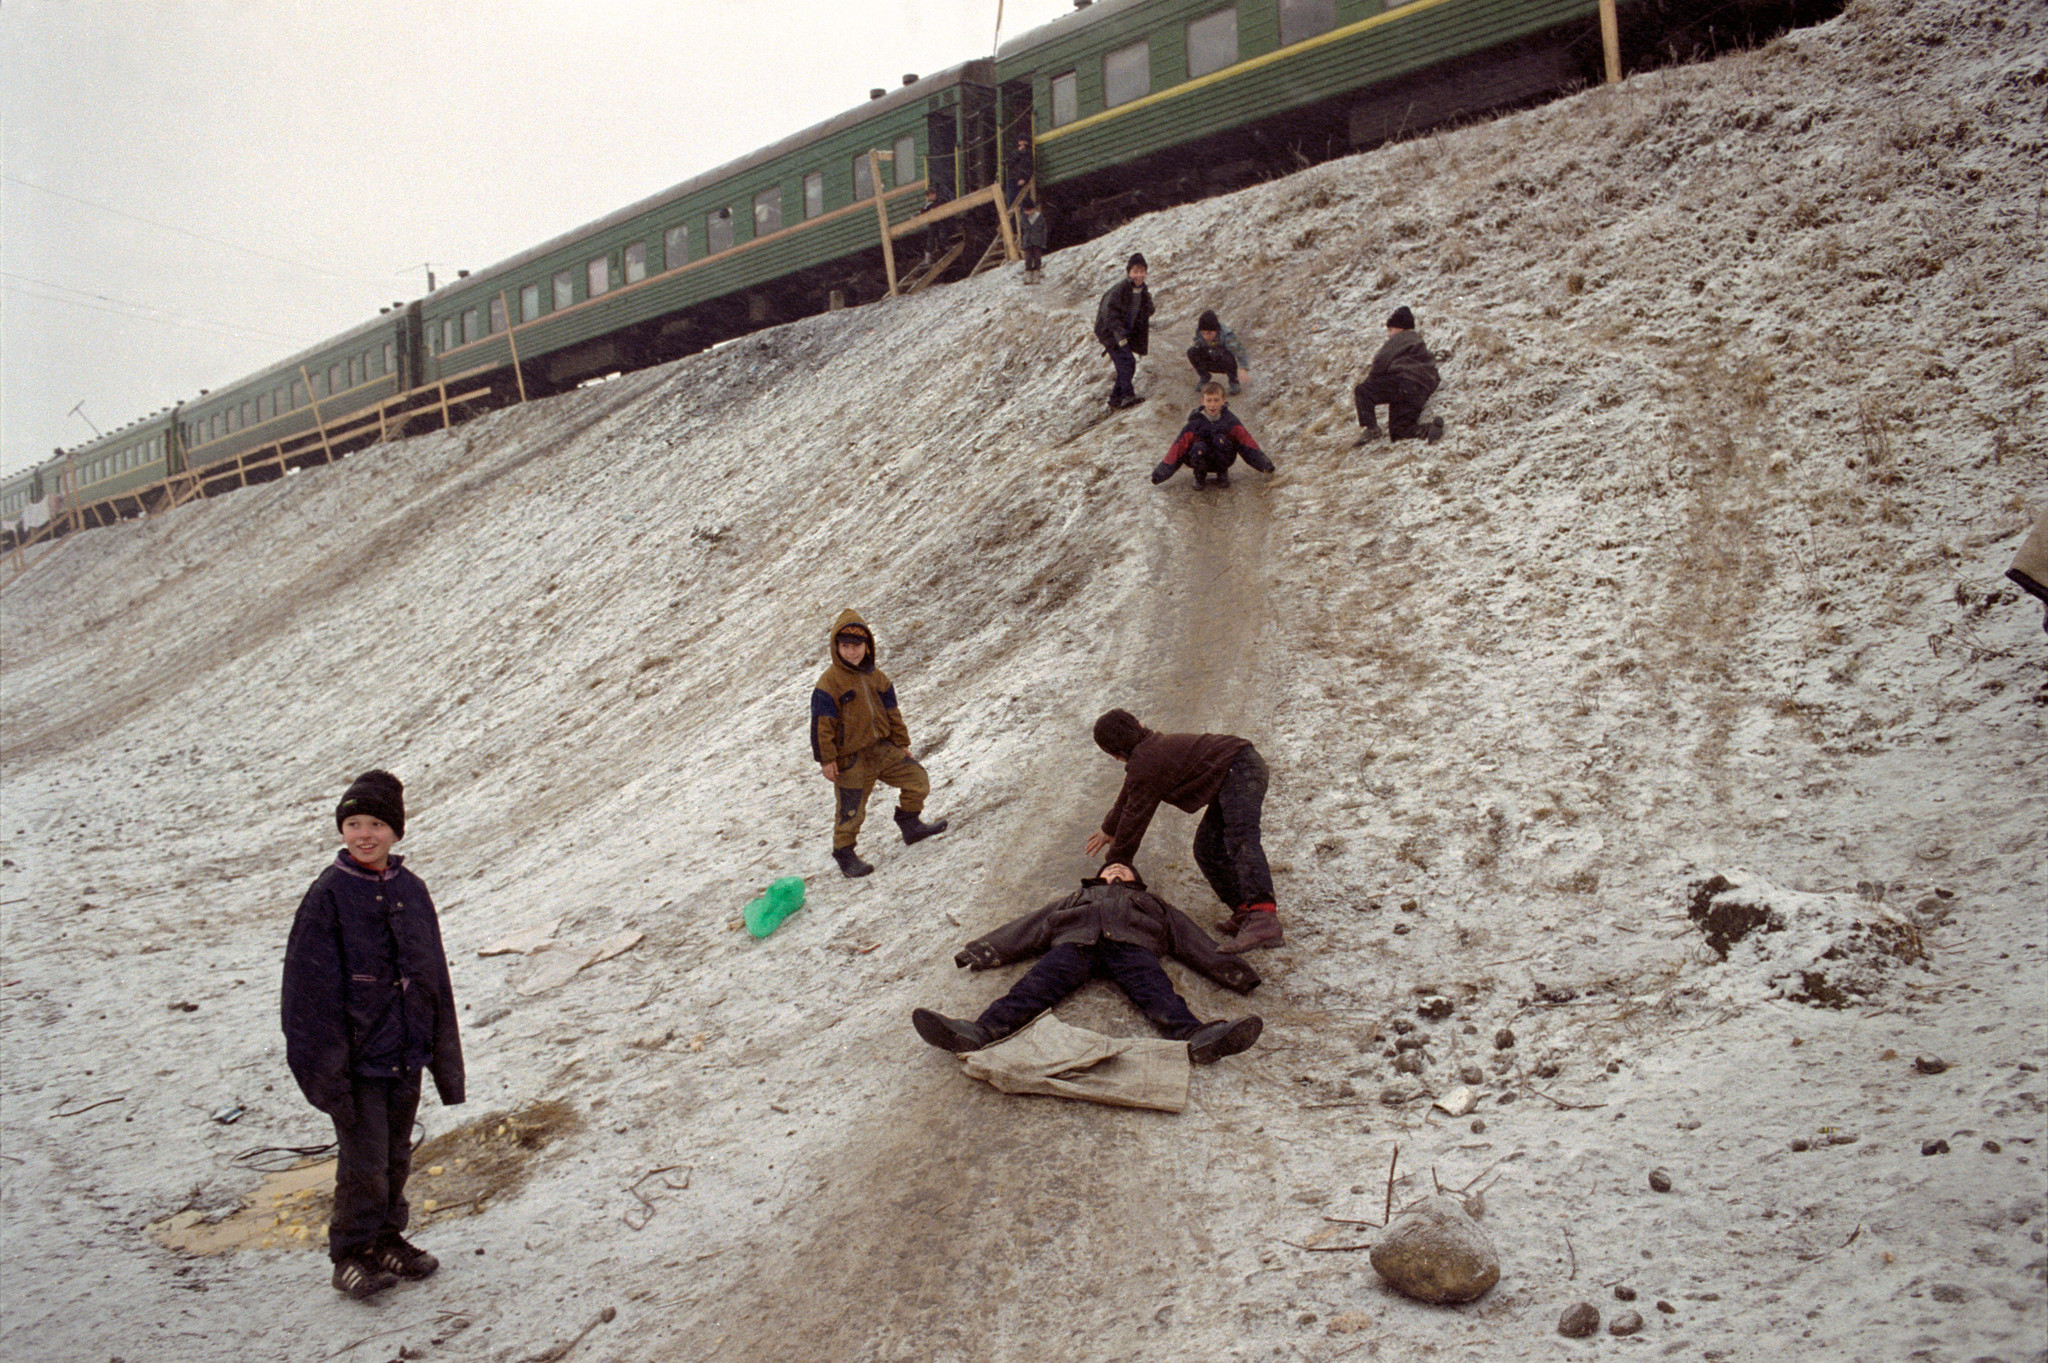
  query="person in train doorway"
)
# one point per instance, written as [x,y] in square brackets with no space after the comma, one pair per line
[1403,375]
[858,737]
[1223,776]
[1211,442]
[1114,928]
[1034,233]
[1021,170]
[1218,351]
[1123,323]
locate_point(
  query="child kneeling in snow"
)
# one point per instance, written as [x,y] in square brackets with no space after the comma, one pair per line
[367,1005]
[1211,442]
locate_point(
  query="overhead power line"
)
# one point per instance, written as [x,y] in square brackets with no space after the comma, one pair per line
[139,312]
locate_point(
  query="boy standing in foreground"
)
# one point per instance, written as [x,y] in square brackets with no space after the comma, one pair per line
[367,1005]
[1403,375]
[1210,443]
[1189,771]
[858,738]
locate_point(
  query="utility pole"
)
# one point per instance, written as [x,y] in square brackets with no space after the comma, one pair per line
[79,412]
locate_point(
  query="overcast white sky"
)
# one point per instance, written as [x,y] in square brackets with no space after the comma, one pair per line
[194,188]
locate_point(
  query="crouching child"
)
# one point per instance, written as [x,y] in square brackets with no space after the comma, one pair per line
[367,1006]
[1211,442]
[1218,351]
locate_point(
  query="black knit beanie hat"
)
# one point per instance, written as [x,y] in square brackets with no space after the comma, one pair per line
[1117,732]
[378,794]
[1402,318]
[1208,321]
[1136,262]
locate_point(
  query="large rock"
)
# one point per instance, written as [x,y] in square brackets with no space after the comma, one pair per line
[1437,1254]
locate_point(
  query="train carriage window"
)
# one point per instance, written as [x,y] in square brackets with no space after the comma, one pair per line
[1127,74]
[497,314]
[1301,19]
[598,276]
[636,262]
[469,325]
[863,178]
[358,369]
[907,170]
[565,290]
[718,229]
[298,394]
[448,334]
[1066,99]
[337,380]
[768,211]
[387,359]
[277,401]
[245,422]
[529,303]
[1212,42]
[814,194]
[675,247]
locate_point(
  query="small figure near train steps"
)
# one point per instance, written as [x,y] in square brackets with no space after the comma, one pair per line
[1190,771]
[1403,376]
[1218,351]
[1113,928]
[367,1005]
[1123,323]
[858,738]
[1033,234]
[1211,442]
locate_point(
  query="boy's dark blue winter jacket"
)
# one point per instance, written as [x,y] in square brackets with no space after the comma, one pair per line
[366,987]
[1218,440]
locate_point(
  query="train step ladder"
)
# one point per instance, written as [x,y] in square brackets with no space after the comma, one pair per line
[929,270]
[990,258]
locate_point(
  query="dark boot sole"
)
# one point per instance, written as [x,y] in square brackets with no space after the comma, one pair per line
[1240,1037]
[938,1031]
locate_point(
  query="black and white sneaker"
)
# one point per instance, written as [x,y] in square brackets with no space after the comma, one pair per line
[359,1276]
[396,1254]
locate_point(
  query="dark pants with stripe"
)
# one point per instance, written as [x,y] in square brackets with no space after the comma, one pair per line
[1403,400]
[1126,362]
[1227,845]
[373,1157]
[1069,965]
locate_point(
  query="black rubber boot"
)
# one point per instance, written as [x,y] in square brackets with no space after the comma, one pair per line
[850,864]
[952,1034]
[1212,1041]
[916,829]
[1434,431]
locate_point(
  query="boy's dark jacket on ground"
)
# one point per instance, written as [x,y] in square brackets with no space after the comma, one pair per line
[1183,770]
[853,708]
[1125,316]
[366,987]
[1223,431]
[1404,356]
[1121,913]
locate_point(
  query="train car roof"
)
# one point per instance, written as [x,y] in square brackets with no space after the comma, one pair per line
[383,321]
[1099,12]
[980,71]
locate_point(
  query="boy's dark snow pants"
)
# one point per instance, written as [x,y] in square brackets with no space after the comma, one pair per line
[1404,404]
[1069,965]
[1227,845]
[373,1156]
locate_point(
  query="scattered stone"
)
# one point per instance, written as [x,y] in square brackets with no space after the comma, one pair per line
[1689,1124]
[1402,1026]
[1506,1098]
[1503,1040]
[1409,1062]
[1801,1143]
[1949,1292]
[1395,1095]
[1471,1074]
[1993,1147]
[1458,1101]
[1546,1070]
[1934,1147]
[1436,1009]
[1437,1254]
[1928,1064]
[1826,950]
[1623,1292]
[1400,929]
[1579,1321]
[1627,1323]
[1667,1308]
[182,1007]
[1660,1180]
[1479,1127]
[1412,1042]
[1841,1138]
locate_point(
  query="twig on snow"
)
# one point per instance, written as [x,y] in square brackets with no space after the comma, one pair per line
[90,1106]
[1579,1107]
[1323,1249]
[1574,1253]
[1388,1214]
[561,1351]
[634,1188]
[397,1329]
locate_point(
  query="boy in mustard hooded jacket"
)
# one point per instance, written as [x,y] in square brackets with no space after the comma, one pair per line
[858,738]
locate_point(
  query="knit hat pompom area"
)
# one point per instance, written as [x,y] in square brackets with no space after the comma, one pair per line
[1136,262]
[1208,321]
[1402,319]
[378,794]
[1118,732]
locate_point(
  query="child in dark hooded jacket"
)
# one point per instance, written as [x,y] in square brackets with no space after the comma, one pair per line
[858,737]
[1211,442]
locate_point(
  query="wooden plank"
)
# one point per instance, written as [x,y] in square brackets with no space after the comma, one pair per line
[882,216]
[1610,41]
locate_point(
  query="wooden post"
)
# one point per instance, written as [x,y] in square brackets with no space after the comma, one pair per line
[70,486]
[512,339]
[1010,251]
[1610,41]
[882,215]
[320,423]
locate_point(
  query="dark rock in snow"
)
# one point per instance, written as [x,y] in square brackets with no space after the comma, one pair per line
[1934,1147]
[1471,1074]
[1627,1323]
[1801,1143]
[1436,1009]
[1623,1292]
[1667,1308]
[1579,1321]
[1437,1254]
[1928,1064]
[1503,1039]
[1660,1180]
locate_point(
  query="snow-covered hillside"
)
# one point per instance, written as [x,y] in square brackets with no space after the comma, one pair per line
[1743,378]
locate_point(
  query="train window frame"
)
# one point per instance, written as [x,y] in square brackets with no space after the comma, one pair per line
[529,302]
[636,261]
[565,289]
[675,247]
[718,235]
[298,394]
[494,315]
[767,211]
[448,334]
[814,194]
[337,379]
[597,276]
[1301,20]
[1208,36]
[247,416]
[1064,98]
[1127,73]
[905,153]
[863,179]
[389,366]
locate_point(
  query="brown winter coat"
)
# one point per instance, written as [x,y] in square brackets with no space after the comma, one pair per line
[1183,770]
[1405,357]
[1121,913]
[2030,566]
[853,708]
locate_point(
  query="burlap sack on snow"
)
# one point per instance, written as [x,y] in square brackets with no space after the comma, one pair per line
[1071,1062]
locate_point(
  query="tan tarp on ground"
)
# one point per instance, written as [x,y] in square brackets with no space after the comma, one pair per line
[1072,1062]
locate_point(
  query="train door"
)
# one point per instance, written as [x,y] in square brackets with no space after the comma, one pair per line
[412,369]
[942,152]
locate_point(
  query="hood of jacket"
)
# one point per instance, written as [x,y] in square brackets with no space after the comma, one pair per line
[851,618]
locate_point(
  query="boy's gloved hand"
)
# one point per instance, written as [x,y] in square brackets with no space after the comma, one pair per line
[1164,471]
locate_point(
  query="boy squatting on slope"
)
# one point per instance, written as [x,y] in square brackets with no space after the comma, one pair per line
[1210,443]
[1403,375]
[367,1005]
[1189,771]
[858,738]
[1218,351]
[1113,928]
